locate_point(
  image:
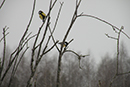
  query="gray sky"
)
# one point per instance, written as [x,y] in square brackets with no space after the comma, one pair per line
[88,33]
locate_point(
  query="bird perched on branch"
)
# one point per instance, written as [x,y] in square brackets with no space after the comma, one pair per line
[42,15]
[64,45]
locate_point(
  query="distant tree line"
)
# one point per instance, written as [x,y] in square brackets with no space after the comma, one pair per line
[72,75]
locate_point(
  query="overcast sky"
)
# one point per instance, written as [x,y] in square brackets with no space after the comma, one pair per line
[88,33]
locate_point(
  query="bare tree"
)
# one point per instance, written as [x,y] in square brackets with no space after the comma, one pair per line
[62,49]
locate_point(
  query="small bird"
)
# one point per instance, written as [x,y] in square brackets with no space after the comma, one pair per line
[42,15]
[64,45]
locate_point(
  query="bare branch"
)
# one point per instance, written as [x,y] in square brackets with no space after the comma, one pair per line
[61,52]
[77,53]
[34,46]
[43,38]
[79,56]
[118,42]
[61,4]
[3,37]
[54,27]
[53,4]
[49,49]
[53,39]
[72,22]
[117,57]
[4,50]
[29,22]
[70,41]
[111,37]
[2,4]
[114,27]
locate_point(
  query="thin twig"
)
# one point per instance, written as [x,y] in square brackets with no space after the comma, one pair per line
[53,4]
[70,41]
[2,4]
[61,4]
[48,49]
[53,39]
[111,37]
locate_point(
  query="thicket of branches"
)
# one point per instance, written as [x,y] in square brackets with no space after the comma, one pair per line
[77,69]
